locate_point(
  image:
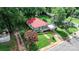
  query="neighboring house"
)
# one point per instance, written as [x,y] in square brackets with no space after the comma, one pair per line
[37,24]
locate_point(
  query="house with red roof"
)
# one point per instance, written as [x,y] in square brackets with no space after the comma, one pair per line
[37,24]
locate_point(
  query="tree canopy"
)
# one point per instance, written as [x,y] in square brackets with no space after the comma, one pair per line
[12,18]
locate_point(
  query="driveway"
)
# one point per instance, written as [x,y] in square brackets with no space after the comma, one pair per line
[73,45]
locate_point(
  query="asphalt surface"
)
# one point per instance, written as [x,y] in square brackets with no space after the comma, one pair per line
[73,45]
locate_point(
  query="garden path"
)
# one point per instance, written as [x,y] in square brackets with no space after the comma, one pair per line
[20,43]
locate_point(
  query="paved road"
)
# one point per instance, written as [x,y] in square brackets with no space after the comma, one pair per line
[73,45]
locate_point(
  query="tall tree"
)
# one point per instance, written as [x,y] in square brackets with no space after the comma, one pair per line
[60,15]
[31,38]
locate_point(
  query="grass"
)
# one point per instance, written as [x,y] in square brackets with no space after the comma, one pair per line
[51,36]
[74,20]
[7,46]
[4,47]
[68,31]
[43,41]
[61,32]
[71,30]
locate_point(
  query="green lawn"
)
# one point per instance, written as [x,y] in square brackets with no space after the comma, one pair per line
[4,47]
[7,46]
[61,32]
[71,30]
[51,36]
[74,20]
[45,18]
[43,41]
[68,31]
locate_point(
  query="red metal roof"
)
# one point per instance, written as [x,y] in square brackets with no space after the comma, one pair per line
[36,22]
